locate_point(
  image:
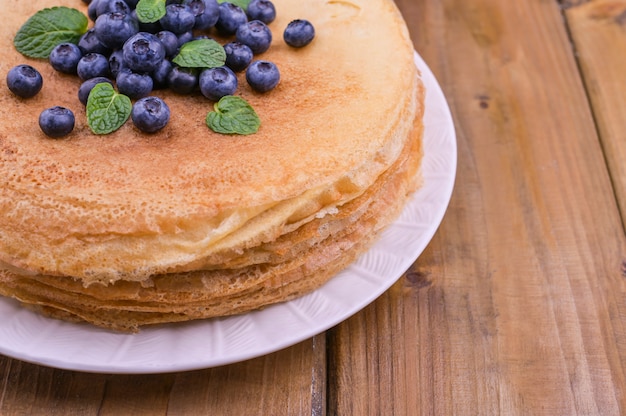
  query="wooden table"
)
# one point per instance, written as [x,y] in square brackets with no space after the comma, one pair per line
[518,305]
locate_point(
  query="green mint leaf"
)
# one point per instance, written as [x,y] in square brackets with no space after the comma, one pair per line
[201,53]
[107,110]
[241,3]
[47,28]
[149,11]
[233,115]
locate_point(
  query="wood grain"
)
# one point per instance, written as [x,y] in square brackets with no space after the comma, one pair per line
[289,382]
[599,33]
[524,311]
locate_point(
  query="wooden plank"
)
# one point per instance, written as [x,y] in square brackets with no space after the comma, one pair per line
[599,32]
[518,305]
[289,382]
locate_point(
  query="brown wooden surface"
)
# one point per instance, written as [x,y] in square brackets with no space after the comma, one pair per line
[518,305]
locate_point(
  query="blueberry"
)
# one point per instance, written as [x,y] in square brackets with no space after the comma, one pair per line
[24,81]
[231,17]
[113,29]
[112,6]
[132,3]
[206,12]
[178,18]
[256,35]
[87,86]
[92,10]
[56,121]
[262,10]
[262,76]
[64,57]
[150,114]
[184,38]
[89,43]
[160,74]
[169,41]
[182,80]
[134,85]
[116,62]
[143,52]
[92,65]
[238,56]
[217,82]
[299,33]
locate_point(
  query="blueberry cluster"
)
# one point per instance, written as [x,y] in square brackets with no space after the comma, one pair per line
[137,57]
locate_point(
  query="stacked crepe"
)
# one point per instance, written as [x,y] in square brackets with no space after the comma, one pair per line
[130,229]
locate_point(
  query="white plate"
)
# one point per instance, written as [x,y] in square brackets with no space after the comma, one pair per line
[30,337]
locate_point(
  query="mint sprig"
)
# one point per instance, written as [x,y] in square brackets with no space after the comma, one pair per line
[150,11]
[241,3]
[233,115]
[201,53]
[107,110]
[47,28]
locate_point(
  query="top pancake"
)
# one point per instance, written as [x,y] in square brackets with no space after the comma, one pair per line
[128,205]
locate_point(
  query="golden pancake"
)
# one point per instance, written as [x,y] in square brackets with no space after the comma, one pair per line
[131,228]
[179,297]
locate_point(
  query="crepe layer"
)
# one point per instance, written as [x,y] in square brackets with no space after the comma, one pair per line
[129,229]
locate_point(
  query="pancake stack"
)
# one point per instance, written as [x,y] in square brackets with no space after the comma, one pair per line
[130,229]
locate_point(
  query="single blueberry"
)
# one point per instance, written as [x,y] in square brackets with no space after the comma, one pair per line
[112,6]
[87,86]
[150,114]
[238,56]
[24,81]
[64,57]
[143,52]
[215,83]
[113,29]
[262,10]
[89,43]
[256,35]
[56,121]
[182,80]
[262,76]
[206,12]
[116,62]
[169,41]
[299,33]
[178,18]
[231,17]
[134,85]
[160,74]
[93,65]
[92,10]
[184,38]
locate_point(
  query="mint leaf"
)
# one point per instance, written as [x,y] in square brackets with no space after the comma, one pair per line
[201,53]
[107,110]
[241,3]
[233,115]
[149,11]
[47,28]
